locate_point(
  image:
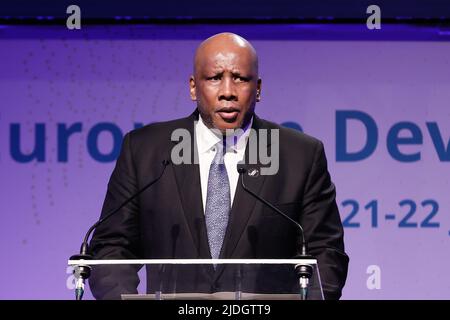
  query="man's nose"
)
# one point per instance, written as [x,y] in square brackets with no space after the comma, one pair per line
[228,90]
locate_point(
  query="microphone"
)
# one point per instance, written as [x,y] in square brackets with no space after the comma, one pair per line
[84,271]
[304,271]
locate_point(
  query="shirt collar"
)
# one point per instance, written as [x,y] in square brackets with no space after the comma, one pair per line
[207,139]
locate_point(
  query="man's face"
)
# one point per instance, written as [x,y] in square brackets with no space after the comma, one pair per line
[225,86]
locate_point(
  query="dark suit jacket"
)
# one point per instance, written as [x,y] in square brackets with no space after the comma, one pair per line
[167,220]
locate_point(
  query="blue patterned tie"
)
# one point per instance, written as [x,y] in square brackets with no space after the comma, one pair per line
[217,202]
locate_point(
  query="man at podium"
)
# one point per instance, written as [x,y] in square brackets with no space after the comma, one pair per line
[197,208]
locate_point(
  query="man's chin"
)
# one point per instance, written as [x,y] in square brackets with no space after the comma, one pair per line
[227,126]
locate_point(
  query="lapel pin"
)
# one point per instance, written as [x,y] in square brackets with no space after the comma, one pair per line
[253,172]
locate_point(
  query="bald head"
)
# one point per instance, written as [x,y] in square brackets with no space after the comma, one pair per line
[225,83]
[225,42]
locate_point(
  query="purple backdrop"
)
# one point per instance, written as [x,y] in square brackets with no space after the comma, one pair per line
[139,74]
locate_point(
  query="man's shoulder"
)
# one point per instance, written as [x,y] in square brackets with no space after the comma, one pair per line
[155,138]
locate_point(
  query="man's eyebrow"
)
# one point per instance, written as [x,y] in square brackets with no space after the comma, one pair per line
[244,75]
[210,73]
[214,72]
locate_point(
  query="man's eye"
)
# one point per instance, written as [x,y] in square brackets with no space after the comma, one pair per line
[215,78]
[241,79]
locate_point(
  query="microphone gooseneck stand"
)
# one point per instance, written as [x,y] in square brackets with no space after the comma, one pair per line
[304,271]
[83,271]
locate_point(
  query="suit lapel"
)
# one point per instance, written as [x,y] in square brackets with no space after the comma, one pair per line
[188,182]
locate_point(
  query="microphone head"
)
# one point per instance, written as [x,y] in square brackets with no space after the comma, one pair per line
[165,162]
[241,169]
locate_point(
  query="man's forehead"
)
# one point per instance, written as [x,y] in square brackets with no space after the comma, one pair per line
[240,60]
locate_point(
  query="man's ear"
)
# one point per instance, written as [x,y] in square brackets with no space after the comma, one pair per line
[192,88]
[258,90]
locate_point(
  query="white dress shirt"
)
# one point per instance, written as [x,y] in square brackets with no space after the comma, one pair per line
[206,146]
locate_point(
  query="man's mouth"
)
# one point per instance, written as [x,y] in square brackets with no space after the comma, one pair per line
[228,114]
